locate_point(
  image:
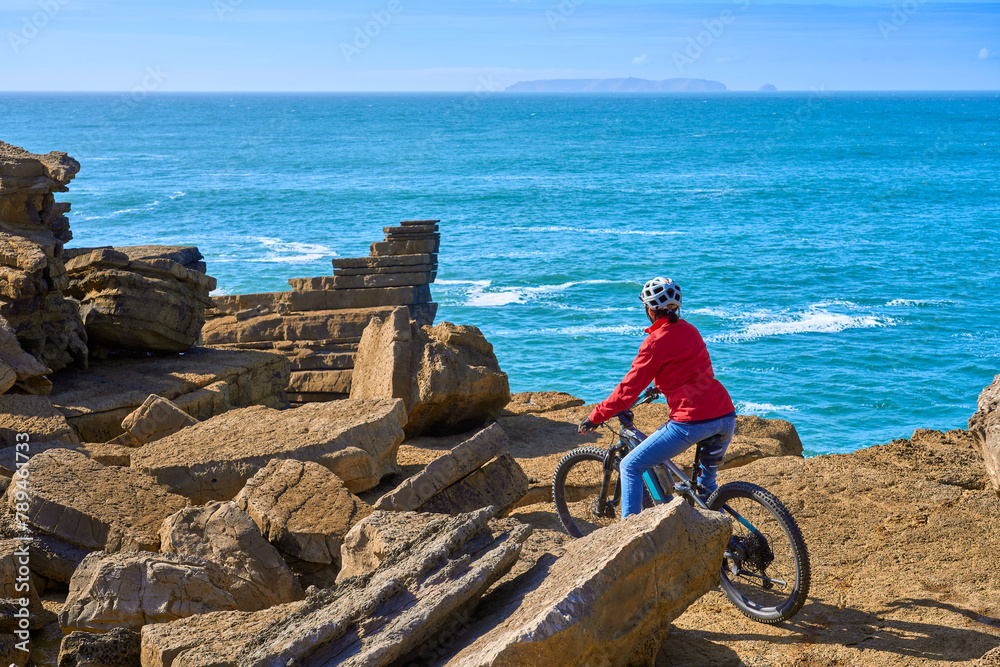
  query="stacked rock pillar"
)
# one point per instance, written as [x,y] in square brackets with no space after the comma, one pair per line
[318,325]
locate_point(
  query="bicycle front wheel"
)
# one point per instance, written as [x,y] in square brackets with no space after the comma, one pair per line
[765,570]
[576,489]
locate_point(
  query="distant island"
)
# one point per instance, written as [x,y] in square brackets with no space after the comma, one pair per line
[627,85]
[768,88]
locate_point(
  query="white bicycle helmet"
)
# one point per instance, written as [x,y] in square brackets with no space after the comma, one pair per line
[659,293]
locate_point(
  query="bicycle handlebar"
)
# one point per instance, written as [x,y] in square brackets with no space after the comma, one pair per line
[648,396]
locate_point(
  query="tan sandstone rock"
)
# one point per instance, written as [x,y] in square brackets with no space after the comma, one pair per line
[444,471]
[38,419]
[985,426]
[450,377]
[530,402]
[130,590]
[500,484]
[224,534]
[90,505]
[16,365]
[203,382]
[303,509]
[15,589]
[372,620]
[611,592]
[355,439]
[156,418]
[33,230]
[146,304]
[118,648]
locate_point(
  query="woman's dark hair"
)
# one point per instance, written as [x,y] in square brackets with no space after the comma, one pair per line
[672,315]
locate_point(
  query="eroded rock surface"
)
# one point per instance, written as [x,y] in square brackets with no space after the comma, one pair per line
[223,533]
[16,365]
[92,506]
[985,426]
[33,230]
[141,303]
[117,648]
[130,590]
[611,593]
[444,471]
[303,509]
[34,416]
[371,620]
[156,418]
[355,439]
[16,588]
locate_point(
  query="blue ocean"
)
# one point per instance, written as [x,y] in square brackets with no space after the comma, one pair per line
[840,252]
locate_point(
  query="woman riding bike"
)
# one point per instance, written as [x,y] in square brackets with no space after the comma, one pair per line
[675,358]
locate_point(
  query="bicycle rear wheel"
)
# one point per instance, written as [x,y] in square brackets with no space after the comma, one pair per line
[765,570]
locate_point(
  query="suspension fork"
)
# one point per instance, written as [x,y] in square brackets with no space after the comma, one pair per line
[609,467]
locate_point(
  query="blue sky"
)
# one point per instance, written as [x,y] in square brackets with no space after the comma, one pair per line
[234,45]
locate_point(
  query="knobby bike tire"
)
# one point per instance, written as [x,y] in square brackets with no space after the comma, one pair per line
[777,551]
[576,502]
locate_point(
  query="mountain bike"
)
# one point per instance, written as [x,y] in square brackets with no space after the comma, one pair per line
[765,567]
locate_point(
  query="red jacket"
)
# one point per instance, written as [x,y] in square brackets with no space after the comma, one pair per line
[673,356]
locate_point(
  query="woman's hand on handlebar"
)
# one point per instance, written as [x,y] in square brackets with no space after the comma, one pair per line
[586,426]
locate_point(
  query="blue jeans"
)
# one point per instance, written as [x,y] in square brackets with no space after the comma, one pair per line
[667,442]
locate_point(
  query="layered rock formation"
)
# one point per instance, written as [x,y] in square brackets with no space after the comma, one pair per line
[140,299]
[203,382]
[435,571]
[356,440]
[447,374]
[464,479]
[33,230]
[985,426]
[318,325]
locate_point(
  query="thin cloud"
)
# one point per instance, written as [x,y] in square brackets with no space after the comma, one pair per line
[640,60]
[984,53]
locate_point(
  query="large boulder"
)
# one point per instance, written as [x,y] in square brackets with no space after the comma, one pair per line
[611,593]
[118,648]
[500,484]
[129,590]
[985,426]
[156,418]
[224,534]
[141,303]
[447,374]
[89,505]
[356,439]
[371,620]
[33,230]
[303,509]
[445,470]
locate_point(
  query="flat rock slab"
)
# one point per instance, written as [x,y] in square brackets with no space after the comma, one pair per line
[16,588]
[96,401]
[35,416]
[302,508]
[227,536]
[446,470]
[612,591]
[420,589]
[355,439]
[129,590]
[500,483]
[93,506]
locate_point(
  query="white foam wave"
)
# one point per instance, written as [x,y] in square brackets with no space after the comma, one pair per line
[918,302]
[280,250]
[493,299]
[124,211]
[581,330]
[811,321]
[751,408]
[480,293]
[478,283]
[177,195]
